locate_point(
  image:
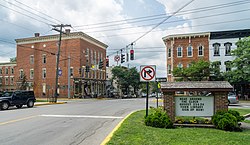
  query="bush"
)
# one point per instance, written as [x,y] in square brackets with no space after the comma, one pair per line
[158,119]
[227,120]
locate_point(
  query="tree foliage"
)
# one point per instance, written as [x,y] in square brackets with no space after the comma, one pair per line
[126,77]
[198,71]
[241,64]
[13,59]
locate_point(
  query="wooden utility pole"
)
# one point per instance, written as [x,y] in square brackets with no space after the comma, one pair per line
[58,55]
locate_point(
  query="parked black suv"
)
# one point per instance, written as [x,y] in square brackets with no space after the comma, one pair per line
[17,98]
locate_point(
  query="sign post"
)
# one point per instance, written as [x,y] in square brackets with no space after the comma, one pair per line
[147,74]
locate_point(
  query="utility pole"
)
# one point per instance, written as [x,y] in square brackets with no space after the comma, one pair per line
[58,54]
[69,75]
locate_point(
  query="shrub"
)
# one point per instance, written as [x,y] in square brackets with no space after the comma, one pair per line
[227,120]
[158,119]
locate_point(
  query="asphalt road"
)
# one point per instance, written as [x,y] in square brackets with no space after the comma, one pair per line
[78,122]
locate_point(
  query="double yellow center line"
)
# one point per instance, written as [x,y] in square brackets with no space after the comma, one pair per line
[16,120]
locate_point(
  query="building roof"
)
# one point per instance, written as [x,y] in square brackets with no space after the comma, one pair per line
[7,64]
[230,34]
[73,35]
[196,86]
[186,35]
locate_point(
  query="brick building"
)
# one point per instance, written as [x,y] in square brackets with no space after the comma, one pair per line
[80,58]
[7,78]
[182,49]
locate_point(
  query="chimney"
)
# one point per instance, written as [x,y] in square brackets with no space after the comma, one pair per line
[37,34]
[67,31]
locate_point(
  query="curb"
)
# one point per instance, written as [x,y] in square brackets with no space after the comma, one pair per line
[107,139]
[50,103]
[247,115]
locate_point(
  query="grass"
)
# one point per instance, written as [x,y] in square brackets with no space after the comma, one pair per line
[41,101]
[241,111]
[134,132]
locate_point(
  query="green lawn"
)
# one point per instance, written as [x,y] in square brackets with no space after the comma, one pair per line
[41,101]
[241,111]
[134,132]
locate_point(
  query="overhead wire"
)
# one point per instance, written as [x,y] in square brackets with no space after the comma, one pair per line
[201,9]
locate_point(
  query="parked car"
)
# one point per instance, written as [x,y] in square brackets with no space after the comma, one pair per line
[232,98]
[17,98]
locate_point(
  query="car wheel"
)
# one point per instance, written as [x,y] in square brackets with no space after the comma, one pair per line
[19,106]
[30,103]
[5,105]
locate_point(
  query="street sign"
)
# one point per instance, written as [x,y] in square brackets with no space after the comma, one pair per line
[147,73]
[117,58]
[60,72]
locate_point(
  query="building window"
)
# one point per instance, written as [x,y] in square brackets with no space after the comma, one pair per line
[21,74]
[228,46]
[6,70]
[169,69]
[188,65]
[11,80]
[31,73]
[71,72]
[44,73]
[12,70]
[200,51]
[6,80]
[32,59]
[228,65]
[169,52]
[190,51]
[179,52]
[180,65]
[1,71]
[216,49]
[44,58]
[1,80]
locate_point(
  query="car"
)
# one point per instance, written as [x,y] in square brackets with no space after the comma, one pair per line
[18,99]
[232,98]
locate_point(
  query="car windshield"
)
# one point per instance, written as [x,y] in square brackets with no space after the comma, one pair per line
[231,93]
[7,94]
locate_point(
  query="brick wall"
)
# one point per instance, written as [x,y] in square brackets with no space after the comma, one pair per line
[75,48]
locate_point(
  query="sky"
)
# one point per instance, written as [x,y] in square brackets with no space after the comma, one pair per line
[118,23]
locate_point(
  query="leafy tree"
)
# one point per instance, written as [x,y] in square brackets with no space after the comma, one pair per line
[215,73]
[13,59]
[240,73]
[126,77]
[24,83]
[198,71]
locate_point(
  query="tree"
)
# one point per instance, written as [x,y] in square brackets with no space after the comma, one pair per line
[125,78]
[13,59]
[240,73]
[24,83]
[198,71]
[215,73]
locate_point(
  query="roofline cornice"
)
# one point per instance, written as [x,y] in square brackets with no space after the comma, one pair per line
[74,35]
[170,37]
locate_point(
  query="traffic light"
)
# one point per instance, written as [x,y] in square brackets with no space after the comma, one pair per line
[107,62]
[122,58]
[87,68]
[100,64]
[132,56]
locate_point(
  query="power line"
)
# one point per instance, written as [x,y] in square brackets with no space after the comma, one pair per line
[201,17]
[29,11]
[38,11]
[25,15]
[202,9]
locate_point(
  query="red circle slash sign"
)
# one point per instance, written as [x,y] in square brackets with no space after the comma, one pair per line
[148,73]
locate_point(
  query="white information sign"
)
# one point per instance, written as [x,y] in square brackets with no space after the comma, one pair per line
[194,106]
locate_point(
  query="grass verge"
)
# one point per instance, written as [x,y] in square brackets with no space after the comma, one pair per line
[133,131]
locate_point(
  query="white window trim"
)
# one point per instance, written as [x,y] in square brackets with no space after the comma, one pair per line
[20,75]
[202,50]
[32,58]
[11,82]
[191,51]
[6,82]
[181,51]
[6,72]
[43,73]
[31,77]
